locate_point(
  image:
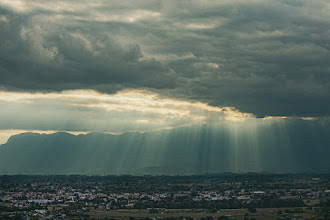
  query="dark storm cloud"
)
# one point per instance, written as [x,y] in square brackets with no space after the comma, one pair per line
[39,55]
[263,57]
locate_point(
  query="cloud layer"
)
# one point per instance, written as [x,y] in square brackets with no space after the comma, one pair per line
[268,58]
[87,110]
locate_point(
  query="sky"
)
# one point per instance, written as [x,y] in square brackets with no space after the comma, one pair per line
[121,66]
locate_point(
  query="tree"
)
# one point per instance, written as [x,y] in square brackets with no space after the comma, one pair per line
[252,209]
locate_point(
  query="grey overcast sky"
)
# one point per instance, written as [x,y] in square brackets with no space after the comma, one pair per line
[255,57]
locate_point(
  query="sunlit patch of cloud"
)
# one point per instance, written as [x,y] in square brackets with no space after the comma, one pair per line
[145,109]
[309,118]
[127,101]
[274,117]
[83,111]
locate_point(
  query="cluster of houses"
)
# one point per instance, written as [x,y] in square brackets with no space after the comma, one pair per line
[53,200]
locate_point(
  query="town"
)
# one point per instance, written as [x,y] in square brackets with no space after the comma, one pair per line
[223,196]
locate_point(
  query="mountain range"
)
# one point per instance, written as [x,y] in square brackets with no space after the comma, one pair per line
[295,147]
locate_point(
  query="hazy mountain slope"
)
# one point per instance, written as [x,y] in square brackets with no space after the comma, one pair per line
[296,147]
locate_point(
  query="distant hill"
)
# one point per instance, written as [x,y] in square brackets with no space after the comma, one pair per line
[196,150]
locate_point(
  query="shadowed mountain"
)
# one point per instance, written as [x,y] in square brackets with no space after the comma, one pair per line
[293,146]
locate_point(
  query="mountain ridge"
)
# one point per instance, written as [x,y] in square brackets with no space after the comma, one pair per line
[190,149]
